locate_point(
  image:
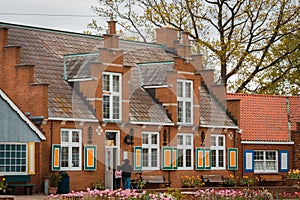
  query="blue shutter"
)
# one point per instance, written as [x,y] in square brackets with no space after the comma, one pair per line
[283,160]
[249,161]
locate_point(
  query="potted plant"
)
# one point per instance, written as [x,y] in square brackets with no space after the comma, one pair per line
[54,179]
[293,178]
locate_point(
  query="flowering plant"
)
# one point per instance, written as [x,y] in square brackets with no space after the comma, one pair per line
[230,180]
[187,181]
[294,174]
[198,182]
[248,180]
[191,181]
[3,185]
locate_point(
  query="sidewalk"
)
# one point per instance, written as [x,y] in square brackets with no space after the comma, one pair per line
[31,197]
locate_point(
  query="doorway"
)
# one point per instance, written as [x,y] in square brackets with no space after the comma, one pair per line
[112,157]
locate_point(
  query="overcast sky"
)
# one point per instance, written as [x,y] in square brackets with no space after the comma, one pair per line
[27,12]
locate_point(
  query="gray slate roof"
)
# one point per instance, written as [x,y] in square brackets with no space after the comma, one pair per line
[149,63]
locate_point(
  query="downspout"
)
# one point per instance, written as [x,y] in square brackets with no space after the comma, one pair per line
[51,139]
[288,117]
[169,138]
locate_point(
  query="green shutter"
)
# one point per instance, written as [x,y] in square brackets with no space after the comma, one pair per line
[232,158]
[138,158]
[90,154]
[169,158]
[56,156]
[203,159]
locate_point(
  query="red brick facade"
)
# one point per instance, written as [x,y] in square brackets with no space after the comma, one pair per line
[18,81]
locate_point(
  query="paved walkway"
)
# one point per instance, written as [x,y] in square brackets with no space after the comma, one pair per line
[28,197]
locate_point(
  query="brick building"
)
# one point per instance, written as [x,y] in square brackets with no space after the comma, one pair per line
[103,100]
[267,123]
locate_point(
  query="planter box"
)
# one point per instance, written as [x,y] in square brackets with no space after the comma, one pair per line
[292,182]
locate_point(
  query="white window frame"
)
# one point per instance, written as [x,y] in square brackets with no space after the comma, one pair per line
[185,146]
[111,94]
[26,157]
[71,144]
[264,161]
[184,99]
[151,146]
[217,149]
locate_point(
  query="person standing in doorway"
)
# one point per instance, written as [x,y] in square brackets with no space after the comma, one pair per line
[126,174]
[118,176]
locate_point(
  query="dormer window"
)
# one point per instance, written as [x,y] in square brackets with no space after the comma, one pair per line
[184,101]
[111,88]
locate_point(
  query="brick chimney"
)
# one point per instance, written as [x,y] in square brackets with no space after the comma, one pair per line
[166,36]
[111,40]
[110,52]
[183,46]
[197,62]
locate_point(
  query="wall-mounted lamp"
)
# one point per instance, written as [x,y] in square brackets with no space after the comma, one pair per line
[129,138]
[165,134]
[202,138]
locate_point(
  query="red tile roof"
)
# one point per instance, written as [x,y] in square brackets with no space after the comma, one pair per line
[266,117]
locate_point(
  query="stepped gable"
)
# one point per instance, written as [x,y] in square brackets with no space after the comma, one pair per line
[211,111]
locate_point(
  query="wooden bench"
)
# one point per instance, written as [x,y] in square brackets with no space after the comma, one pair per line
[14,181]
[213,179]
[156,180]
[264,178]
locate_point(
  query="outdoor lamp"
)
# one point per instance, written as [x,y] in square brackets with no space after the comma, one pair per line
[129,138]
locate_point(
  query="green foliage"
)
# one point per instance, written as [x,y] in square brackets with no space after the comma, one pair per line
[98,185]
[253,44]
[54,179]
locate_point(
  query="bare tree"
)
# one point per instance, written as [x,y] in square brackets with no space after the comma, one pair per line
[244,37]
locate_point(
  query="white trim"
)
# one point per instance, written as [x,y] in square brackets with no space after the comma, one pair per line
[94,99]
[184,100]
[80,79]
[169,104]
[72,119]
[217,148]
[184,147]
[125,101]
[217,126]
[153,123]
[263,163]
[69,144]
[265,142]
[111,64]
[155,86]
[151,146]
[111,94]
[182,72]
[22,115]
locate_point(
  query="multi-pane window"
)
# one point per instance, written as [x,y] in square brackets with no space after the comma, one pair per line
[184,101]
[71,140]
[265,161]
[217,143]
[13,158]
[150,149]
[185,151]
[111,88]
